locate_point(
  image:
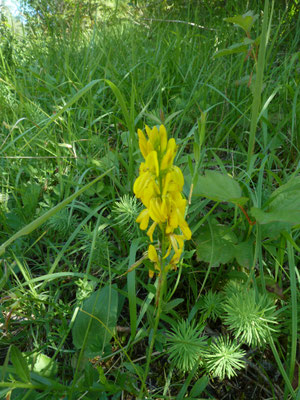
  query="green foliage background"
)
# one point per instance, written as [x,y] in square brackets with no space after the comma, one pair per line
[77,79]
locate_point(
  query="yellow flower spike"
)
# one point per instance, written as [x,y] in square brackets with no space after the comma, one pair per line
[143,143]
[159,188]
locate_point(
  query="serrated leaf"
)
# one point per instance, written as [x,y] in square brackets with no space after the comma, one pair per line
[19,364]
[216,245]
[244,21]
[219,187]
[101,305]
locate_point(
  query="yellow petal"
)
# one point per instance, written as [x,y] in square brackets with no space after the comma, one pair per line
[149,191]
[173,217]
[169,156]
[184,226]
[177,177]
[151,273]
[166,183]
[154,138]
[155,210]
[143,219]
[148,130]
[142,143]
[176,258]
[168,251]
[141,183]
[174,243]
[152,162]
[152,254]
[151,231]
[163,138]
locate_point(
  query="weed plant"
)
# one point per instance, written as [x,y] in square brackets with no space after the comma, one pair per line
[79,311]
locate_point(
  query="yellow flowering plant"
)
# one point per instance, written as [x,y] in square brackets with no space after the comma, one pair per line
[159,186]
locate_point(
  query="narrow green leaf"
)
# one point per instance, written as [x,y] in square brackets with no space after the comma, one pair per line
[293,283]
[121,101]
[199,386]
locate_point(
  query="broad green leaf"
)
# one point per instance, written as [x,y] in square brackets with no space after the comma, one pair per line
[244,21]
[244,253]
[233,49]
[283,206]
[287,190]
[283,215]
[96,321]
[274,229]
[216,245]
[43,365]
[219,187]
[19,364]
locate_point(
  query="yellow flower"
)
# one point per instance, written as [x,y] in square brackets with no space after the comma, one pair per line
[143,219]
[159,187]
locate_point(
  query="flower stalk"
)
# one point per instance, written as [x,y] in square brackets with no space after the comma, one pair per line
[159,186]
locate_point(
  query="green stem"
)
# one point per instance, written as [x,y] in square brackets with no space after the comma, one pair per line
[161,284]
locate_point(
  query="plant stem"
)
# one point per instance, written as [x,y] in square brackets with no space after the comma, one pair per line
[161,284]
